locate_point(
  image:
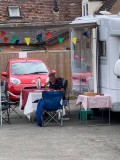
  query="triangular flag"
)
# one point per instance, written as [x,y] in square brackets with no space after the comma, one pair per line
[27,40]
[86,34]
[48,35]
[60,39]
[5,39]
[14,39]
[2,33]
[17,41]
[74,39]
[39,37]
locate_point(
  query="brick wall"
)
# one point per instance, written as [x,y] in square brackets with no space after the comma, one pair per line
[40,10]
[10,48]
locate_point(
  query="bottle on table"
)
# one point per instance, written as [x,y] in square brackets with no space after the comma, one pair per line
[38,82]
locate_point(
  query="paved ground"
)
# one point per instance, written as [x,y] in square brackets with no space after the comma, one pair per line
[22,140]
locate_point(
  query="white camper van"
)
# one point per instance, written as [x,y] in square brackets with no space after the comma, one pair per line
[98,43]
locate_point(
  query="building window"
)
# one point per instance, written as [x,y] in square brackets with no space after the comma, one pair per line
[102,48]
[85,9]
[14,11]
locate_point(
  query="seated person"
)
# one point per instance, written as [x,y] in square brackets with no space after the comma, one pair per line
[54,83]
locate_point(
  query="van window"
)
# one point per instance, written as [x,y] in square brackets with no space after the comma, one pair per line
[21,68]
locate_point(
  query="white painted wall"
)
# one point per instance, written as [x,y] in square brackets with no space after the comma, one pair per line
[92,6]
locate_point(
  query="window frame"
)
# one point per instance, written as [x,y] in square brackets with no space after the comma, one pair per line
[85,9]
[18,13]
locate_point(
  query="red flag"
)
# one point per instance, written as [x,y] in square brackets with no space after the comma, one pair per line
[48,35]
[5,39]
[2,33]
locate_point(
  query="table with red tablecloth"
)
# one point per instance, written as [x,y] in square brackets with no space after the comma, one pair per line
[28,96]
[25,93]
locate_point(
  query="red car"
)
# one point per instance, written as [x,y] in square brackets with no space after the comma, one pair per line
[23,72]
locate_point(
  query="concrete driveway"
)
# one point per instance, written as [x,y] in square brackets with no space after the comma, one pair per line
[22,140]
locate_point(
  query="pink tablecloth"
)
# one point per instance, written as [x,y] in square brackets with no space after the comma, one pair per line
[94,101]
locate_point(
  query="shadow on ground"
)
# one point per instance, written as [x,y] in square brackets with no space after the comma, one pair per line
[70,119]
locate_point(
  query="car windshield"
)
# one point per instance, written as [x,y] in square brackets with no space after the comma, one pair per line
[20,68]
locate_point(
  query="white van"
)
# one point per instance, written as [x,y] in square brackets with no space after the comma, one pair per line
[103,50]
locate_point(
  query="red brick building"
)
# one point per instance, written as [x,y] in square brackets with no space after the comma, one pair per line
[23,19]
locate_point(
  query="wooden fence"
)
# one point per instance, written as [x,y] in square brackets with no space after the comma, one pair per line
[57,60]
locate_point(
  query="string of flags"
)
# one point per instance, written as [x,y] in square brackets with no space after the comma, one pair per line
[74,40]
[39,38]
[86,34]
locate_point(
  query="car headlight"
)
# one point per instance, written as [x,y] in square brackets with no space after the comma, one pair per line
[15,80]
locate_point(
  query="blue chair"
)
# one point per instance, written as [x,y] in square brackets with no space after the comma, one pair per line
[48,106]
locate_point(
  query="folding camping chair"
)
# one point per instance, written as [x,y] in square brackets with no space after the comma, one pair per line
[13,104]
[4,112]
[4,106]
[50,108]
[5,94]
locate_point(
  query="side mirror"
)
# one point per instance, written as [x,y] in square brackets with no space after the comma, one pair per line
[4,74]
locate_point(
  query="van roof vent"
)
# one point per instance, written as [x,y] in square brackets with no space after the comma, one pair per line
[104,12]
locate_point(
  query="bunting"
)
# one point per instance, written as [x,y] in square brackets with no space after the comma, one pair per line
[27,40]
[48,35]
[5,39]
[14,39]
[2,33]
[60,39]
[39,38]
[16,42]
[86,34]
[74,39]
